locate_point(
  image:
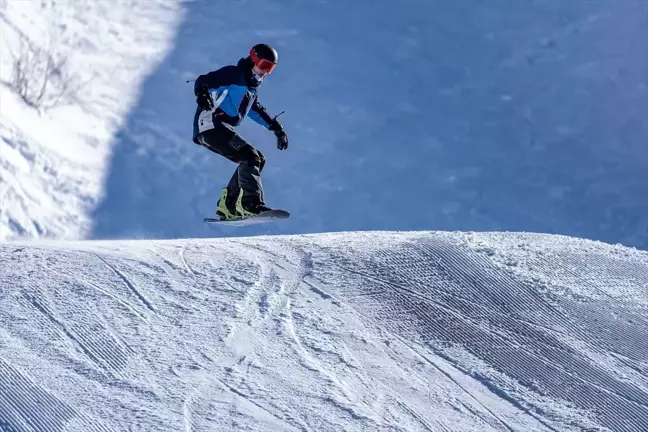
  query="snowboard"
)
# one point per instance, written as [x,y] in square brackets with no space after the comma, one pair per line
[267,216]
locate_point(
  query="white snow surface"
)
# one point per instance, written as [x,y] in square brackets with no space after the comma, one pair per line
[53,162]
[527,116]
[371,331]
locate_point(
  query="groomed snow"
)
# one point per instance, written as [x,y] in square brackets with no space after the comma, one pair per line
[374,331]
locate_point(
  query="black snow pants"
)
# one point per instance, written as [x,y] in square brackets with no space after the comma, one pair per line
[247,176]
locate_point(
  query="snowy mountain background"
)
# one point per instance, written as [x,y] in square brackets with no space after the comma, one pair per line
[525,116]
[54,163]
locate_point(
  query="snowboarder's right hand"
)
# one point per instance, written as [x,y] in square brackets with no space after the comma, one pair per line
[204,99]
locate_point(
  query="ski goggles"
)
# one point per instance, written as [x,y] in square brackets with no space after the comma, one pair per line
[264,65]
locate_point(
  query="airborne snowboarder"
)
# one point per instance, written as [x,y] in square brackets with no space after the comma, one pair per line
[225,97]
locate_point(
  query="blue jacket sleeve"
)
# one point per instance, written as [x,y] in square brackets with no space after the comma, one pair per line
[259,114]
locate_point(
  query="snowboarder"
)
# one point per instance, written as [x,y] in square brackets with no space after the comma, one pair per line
[225,97]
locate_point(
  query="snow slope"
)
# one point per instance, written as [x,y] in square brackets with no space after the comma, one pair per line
[53,163]
[356,331]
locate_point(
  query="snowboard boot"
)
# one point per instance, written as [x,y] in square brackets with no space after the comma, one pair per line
[247,210]
[222,209]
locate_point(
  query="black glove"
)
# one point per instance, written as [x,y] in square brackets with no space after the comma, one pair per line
[282,138]
[203,99]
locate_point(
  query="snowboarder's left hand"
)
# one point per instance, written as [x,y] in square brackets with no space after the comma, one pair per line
[282,138]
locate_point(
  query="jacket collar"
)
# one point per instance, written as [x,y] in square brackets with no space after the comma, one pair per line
[245,65]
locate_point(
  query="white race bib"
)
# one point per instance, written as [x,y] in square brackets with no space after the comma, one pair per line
[206,119]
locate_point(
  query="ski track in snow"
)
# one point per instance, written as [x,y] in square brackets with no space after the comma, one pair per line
[128,283]
[353,331]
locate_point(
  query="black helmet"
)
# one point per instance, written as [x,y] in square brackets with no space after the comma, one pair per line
[264,57]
